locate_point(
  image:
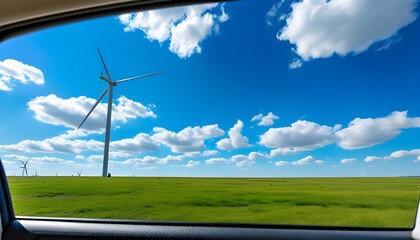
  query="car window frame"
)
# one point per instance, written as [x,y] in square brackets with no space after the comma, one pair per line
[15,227]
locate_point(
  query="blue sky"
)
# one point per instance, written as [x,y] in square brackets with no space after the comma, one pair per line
[273,88]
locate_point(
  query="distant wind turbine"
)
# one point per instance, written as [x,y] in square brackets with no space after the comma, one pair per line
[111,84]
[24,169]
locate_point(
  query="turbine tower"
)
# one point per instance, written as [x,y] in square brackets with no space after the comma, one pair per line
[24,169]
[111,85]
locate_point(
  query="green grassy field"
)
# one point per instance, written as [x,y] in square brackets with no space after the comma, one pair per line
[371,202]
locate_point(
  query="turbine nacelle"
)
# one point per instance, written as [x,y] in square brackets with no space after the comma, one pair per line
[108,80]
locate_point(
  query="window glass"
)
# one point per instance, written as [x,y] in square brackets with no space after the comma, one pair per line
[280,112]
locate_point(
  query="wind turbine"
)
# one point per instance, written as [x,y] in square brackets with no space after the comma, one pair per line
[24,169]
[111,85]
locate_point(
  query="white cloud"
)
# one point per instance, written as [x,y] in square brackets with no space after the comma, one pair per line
[307,160]
[415,153]
[245,163]
[252,156]
[282,152]
[296,63]
[14,71]
[53,145]
[367,132]
[71,134]
[212,161]
[274,14]
[302,135]
[348,160]
[377,159]
[197,154]
[185,27]
[97,160]
[303,161]
[236,139]
[140,143]
[152,160]
[257,155]
[405,153]
[267,120]
[282,163]
[40,161]
[187,35]
[189,139]
[210,153]
[240,160]
[64,144]
[389,42]
[418,159]
[239,157]
[320,28]
[70,112]
[192,164]
[257,117]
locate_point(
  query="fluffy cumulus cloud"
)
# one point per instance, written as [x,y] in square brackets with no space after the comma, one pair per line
[303,161]
[65,143]
[236,139]
[367,132]
[307,160]
[58,144]
[189,139]
[13,158]
[185,27]
[152,160]
[70,112]
[212,161]
[197,154]
[97,158]
[281,163]
[140,143]
[282,152]
[244,164]
[240,160]
[377,159]
[191,164]
[301,135]
[12,71]
[414,154]
[257,155]
[348,160]
[267,120]
[243,161]
[321,28]
[360,133]
[405,153]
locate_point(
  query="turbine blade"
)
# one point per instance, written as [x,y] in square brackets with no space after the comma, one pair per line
[103,63]
[28,160]
[22,161]
[94,106]
[134,78]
